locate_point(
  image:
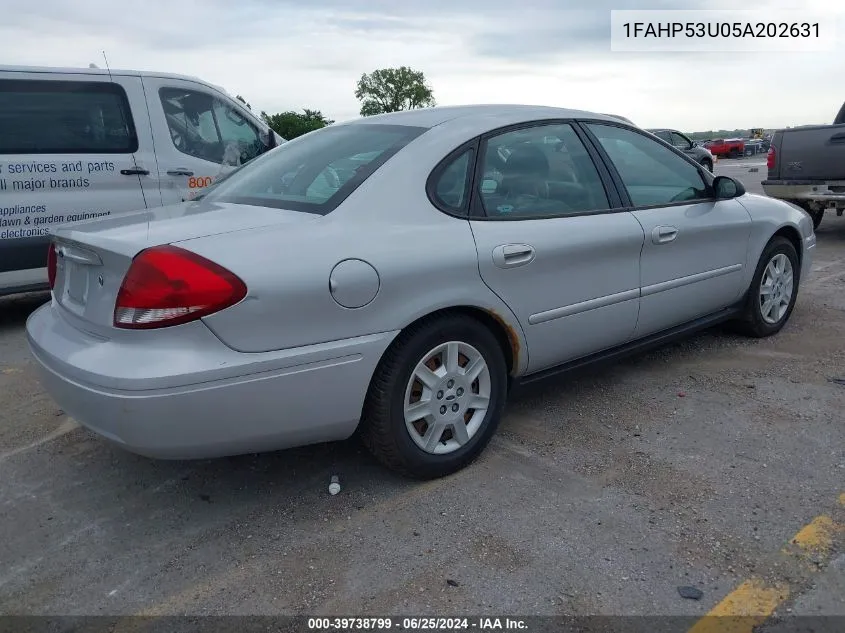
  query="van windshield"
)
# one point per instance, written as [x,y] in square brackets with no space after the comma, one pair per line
[316,172]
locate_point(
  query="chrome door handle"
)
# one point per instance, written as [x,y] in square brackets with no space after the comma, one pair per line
[511,255]
[664,234]
[180,171]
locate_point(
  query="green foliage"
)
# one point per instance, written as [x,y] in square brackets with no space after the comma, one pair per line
[291,124]
[392,90]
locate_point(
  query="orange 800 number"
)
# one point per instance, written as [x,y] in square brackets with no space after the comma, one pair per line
[198,182]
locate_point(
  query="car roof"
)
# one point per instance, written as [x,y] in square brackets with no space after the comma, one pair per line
[106,72]
[621,118]
[431,117]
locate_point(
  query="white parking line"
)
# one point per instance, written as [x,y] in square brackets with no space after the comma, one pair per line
[741,165]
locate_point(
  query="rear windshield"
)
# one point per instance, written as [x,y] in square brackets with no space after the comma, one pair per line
[316,172]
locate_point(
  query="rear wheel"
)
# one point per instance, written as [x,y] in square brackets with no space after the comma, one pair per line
[436,397]
[773,291]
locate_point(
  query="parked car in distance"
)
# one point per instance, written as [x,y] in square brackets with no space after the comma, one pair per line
[728,148]
[301,300]
[77,143]
[697,152]
[806,165]
[753,147]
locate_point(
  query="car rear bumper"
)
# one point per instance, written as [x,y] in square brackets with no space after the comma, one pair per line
[261,402]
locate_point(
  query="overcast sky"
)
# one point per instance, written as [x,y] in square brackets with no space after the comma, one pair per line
[284,54]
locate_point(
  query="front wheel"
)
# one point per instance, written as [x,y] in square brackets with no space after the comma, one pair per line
[773,291]
[436,397]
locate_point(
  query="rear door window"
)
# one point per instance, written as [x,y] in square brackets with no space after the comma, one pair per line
[65,117]
[539,171]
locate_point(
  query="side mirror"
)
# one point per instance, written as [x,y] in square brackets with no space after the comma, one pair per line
[727,188]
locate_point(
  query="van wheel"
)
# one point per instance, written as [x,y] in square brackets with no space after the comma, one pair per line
[773,290]
[436,397]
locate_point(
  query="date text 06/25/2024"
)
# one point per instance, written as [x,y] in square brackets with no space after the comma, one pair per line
[417,624]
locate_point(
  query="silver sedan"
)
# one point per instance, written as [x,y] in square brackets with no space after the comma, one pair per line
[395,276]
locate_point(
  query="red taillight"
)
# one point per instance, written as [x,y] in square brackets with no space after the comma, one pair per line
[51,265]
[167,285]
[771,158]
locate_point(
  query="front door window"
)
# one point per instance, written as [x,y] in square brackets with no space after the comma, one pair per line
[206,127]
[652,173]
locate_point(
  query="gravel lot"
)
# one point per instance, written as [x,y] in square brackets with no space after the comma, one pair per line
[601,494]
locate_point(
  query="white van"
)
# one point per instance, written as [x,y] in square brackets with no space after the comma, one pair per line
[82,143]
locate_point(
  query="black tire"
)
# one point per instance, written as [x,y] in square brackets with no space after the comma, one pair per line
[752,322]
[708,165]
[382,427]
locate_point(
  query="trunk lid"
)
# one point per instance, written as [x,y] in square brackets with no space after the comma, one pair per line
[94,255]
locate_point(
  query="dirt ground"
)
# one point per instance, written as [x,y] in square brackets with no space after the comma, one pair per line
[602,493]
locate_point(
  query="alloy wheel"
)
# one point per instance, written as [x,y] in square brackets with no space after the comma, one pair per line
[447,397]
[776,288]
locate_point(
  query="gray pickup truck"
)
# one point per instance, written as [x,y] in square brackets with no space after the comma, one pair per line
[807,167]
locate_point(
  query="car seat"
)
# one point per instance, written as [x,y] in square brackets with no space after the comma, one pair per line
[525,172]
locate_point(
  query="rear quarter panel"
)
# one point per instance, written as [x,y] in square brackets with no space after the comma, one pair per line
[426,261]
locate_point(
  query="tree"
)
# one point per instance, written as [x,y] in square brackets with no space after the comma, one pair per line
[291,124]
[392,90]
